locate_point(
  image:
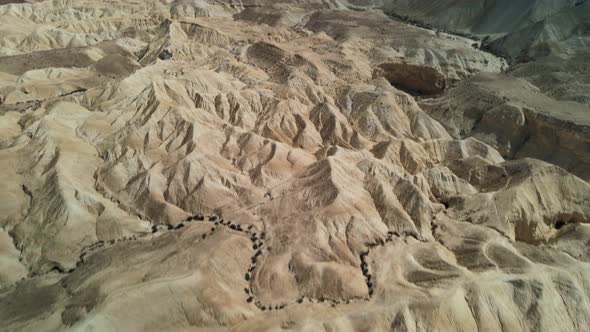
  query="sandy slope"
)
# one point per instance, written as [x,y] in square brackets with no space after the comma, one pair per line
[258,165]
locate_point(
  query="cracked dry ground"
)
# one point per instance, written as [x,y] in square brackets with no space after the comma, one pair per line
[350,207]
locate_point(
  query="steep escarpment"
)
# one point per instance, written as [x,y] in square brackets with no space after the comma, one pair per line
[515,117]
[480,17]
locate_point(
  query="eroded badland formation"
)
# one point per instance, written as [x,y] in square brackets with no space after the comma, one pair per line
[317,165]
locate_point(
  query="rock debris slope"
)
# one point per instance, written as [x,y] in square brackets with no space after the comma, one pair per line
[262,165]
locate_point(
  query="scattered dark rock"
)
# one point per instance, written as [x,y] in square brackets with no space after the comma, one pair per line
[165,55]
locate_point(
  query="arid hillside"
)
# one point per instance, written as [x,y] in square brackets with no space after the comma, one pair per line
[310,165]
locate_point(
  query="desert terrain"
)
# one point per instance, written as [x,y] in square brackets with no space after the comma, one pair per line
[309,165]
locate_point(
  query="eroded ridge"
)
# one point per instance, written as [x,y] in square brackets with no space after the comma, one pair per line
[351,171]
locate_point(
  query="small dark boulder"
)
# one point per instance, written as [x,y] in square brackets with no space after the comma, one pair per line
[165,55]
